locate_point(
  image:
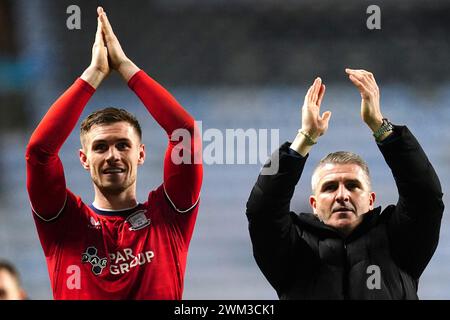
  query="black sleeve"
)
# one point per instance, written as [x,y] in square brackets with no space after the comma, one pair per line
[414,223]
[276,242]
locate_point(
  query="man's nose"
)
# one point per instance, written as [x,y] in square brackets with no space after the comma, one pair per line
[342,194]
[113,155]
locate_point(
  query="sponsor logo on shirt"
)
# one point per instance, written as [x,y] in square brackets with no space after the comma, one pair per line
[124,261]
[97,263]
[121,262]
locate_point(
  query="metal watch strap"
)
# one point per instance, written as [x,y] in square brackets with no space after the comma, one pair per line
[385,127]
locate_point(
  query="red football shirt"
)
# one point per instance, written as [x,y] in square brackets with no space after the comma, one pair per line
[138,253]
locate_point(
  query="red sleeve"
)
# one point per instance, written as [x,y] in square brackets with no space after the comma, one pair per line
[182,182]
[45,175]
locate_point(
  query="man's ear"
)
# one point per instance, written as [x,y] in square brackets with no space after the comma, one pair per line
[83,159]
[313,203]
[372,197]
[141,154]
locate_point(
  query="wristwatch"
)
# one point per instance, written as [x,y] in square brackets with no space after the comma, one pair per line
[385,127]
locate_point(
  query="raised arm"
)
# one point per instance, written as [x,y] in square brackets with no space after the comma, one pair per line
[371,114]
[45,175]
[313,124]
[277,246]
[414,223]
[182,182]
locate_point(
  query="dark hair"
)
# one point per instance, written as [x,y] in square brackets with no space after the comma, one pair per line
[108,116]
[9,267]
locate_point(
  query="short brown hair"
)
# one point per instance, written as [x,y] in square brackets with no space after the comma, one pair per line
[9,267]
[342,157]
[108,116]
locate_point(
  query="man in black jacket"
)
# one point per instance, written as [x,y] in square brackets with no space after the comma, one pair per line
[347,249]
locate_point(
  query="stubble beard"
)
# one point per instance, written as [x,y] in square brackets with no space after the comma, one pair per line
[114,188]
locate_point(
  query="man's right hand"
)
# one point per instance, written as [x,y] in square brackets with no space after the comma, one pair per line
[117,57]
[99,69]
[313,124]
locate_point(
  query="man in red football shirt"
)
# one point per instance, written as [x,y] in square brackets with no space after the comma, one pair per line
[115,248]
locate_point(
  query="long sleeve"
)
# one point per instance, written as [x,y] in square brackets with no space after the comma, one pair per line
[45,175]
[182,181]
[276,242]
[414,222]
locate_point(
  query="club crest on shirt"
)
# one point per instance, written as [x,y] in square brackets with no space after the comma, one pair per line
[138,220]
[98,264]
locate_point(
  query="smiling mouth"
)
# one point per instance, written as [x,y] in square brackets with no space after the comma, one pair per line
[113,171]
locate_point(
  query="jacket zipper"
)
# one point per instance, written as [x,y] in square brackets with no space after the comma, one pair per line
[345,275]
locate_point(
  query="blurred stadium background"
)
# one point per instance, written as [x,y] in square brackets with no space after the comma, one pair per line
[232,64]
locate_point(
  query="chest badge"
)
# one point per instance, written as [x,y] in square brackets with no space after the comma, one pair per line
[138,220]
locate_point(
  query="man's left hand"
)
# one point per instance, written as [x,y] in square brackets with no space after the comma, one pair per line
[370,97]
[117,57]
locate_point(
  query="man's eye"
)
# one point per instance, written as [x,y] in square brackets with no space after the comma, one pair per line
[122,145]
[329,187]
[100,147]
[352,186]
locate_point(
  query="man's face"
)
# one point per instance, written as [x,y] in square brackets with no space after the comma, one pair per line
[112,154]
[342,195]
[9,287]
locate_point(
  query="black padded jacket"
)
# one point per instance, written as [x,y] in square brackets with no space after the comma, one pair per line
[303,258]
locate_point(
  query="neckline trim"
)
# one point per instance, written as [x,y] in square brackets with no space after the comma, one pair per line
[109,212]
